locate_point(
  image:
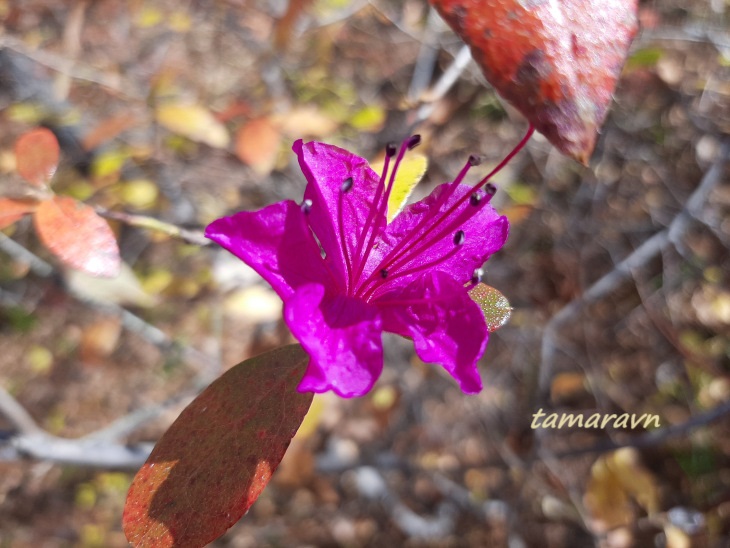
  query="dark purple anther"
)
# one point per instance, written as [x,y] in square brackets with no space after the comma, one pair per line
[459,237]
[475,160]
[475,198]
[390,150]
[490,189]
[414,141]
[477,276]
[306,206]
[347,185]
[384,273]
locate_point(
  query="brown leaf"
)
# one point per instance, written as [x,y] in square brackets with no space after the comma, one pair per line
[556,62]
[217,457]
[257,144]
[36,156]
[13,210]
[78,236]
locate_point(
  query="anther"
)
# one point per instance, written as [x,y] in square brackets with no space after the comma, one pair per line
[477,276]
[384,273]
[414,141]
[475,198]
[390,149]
[475,160]
[459,237]
[306,206]
[490,189]
[346,185]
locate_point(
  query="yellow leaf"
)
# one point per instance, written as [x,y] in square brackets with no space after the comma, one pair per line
[616,479]
[148,17]
[194,122]
[139,193]
[369,118]
[410,172]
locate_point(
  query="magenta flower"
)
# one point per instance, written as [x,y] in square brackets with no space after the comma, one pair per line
[346,275]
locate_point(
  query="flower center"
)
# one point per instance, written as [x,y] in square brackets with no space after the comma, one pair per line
[430,229]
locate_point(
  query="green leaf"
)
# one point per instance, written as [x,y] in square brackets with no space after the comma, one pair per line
[217,457]
[495,306]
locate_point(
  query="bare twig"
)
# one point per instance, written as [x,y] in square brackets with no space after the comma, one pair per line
[141,221]
[42,446]
[623,270]
[22,255]
[426,60]
[19,418]
[653,437]
[444,84]
[604,286]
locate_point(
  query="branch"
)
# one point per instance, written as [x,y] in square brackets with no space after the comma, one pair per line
[623,270]
[653,437]
[141,221]
[79,452]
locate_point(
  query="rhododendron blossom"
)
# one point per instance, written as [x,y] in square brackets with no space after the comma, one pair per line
[346,275]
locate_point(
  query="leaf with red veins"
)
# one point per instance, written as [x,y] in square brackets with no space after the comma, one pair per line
[556,61]
[13,210]
[36,156]
[216,458]
[78,236]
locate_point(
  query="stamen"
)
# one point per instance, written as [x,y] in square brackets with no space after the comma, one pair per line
[414,141]
[477,276]
[383,273]
[475,160]
[341,223]
[391,149]
[380,208]
[424,233]
[306,206]
[347,185]
[459,237]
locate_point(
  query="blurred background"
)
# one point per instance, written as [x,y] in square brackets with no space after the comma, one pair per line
[186,111]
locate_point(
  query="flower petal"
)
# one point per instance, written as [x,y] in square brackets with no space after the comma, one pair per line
[446,325]
[326,167]
[276,242]
[485,232]
[343,338]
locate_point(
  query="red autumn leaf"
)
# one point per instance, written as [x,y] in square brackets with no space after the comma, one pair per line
[556,61]
[78,236]
[216,458]
[13,210]
[36,156]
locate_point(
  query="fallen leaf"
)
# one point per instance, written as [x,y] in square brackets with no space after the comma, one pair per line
[257,144]
[616,480]
[36,156]
[216,458]
[78,236]
[13,210]
[556,61]
[123,289]
[100,339]
[304,121]
[194,122]
[109,128]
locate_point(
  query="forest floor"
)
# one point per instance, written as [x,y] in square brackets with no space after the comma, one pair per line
[618,275]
